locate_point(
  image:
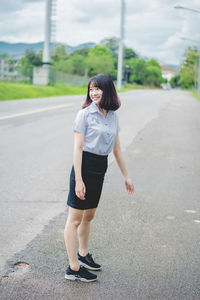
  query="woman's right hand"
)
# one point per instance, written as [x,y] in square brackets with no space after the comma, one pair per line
[80,189]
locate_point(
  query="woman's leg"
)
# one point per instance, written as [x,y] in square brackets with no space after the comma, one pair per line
[84,231]
[70,235]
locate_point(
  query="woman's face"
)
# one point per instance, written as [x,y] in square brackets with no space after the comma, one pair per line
[95,93]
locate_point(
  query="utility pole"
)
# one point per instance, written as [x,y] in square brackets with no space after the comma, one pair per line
[41,74]
[47,36]
[121,46]
[198,90]
[47,41]
[196,74]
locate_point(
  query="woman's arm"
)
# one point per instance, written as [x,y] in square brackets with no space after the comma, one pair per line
[122,165]
[78,150]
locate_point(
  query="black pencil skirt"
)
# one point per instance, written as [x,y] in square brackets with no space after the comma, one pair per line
[93,171]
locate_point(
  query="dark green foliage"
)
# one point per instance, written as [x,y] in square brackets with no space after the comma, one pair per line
[101,58]
[137,67]
[153,73]
[175,81]
[164,80]
[28,62]
[129,53]
[188,72]
[112,44]
[33,58]
[73,64]
[145,73]
[83,51]
[59,53]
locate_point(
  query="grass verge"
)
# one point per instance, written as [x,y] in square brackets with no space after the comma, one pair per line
[12,91]
[194,93]
[129,87]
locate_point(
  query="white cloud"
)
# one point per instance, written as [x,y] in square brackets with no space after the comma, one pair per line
[24,25]
[153,28]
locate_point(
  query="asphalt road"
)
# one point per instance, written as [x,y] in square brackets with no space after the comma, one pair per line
[148,244]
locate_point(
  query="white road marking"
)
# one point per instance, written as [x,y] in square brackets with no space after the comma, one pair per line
[36,111]
[170,217]
[197,221]
[190,211]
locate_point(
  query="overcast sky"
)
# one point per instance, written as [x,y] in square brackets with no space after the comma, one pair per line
[153,28]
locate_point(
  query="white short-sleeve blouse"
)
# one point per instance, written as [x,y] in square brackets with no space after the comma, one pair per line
[100,132]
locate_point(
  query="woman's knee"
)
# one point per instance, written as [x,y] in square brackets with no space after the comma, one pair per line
[74,217]
[88,215]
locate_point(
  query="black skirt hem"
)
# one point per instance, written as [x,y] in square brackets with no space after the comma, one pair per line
[85,208]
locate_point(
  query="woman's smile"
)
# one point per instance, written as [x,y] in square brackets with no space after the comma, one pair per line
[95,94]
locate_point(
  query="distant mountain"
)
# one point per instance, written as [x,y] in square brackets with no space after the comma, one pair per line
[20,48]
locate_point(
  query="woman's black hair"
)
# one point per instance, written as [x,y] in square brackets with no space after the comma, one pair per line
[110,99]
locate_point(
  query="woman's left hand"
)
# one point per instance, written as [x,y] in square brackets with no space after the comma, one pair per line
[129,186]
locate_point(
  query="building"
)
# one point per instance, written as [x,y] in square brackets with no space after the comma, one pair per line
[168,72]
[8,66]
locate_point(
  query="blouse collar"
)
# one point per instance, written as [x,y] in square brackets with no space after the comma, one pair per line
[94,108]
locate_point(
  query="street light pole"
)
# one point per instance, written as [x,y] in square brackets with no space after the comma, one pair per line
[190,9]
[121,46]
[195,11]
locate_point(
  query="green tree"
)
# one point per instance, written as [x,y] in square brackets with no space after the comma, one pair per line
[59,53]
[83,51]
[143,72]
[137,67]
[188,74]
[153,76]
[129,53]
[10,65]
[33,58]
[164,80]
[78,59]
[153,62]
[112,44]
[187,77]
[27,63]
[73,64]
[175,81]
[65,66]
[100,60]
[153,73]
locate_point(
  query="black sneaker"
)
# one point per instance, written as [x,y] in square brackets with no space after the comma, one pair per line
[82,274]
[88,262]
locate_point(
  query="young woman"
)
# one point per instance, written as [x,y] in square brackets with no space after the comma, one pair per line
[96,131]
